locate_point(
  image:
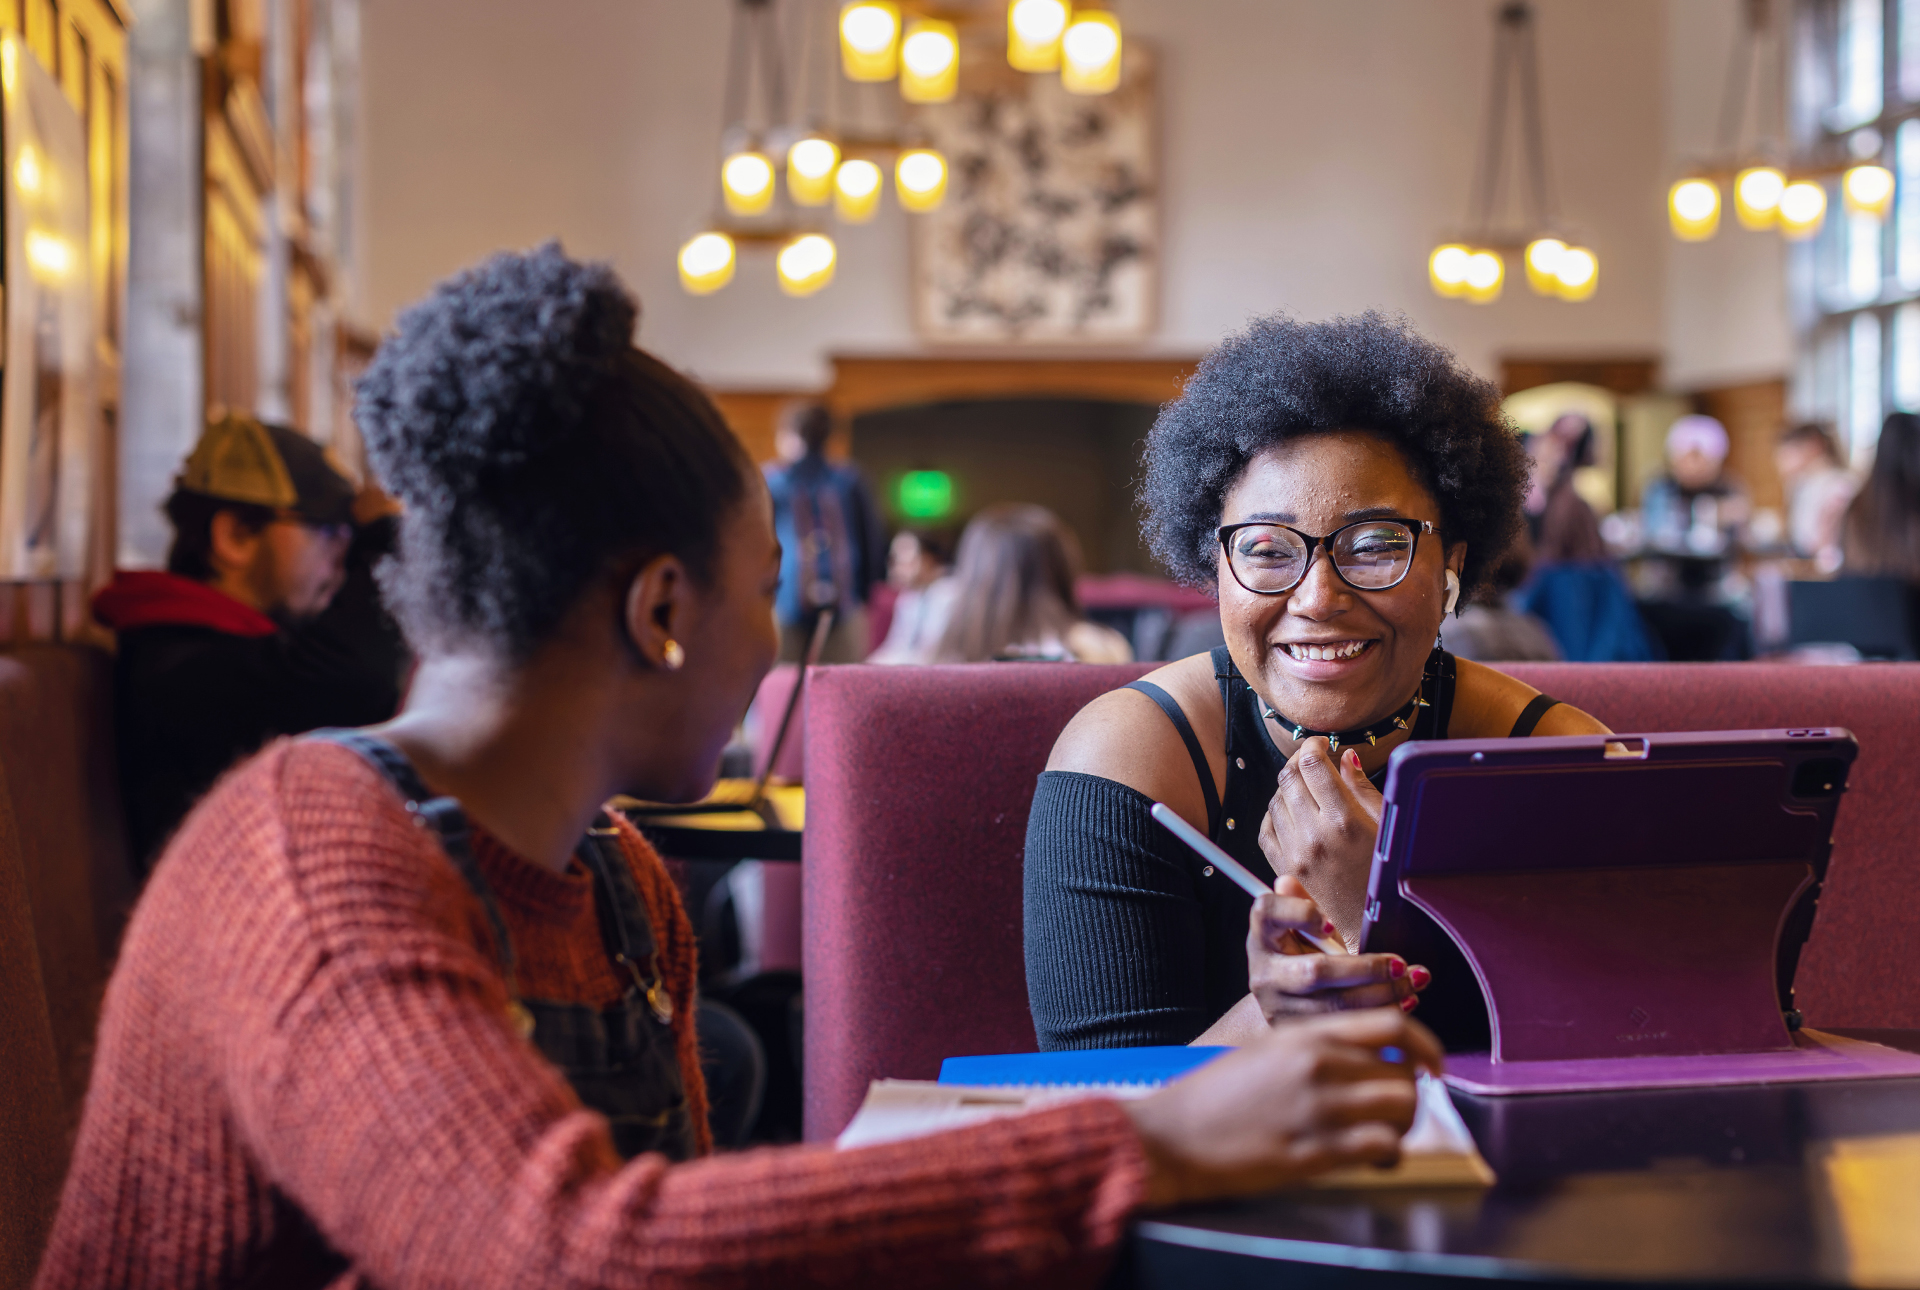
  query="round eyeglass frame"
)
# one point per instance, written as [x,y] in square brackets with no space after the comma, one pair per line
[1226,532]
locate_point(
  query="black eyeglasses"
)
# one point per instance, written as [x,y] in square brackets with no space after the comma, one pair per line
[1369,555]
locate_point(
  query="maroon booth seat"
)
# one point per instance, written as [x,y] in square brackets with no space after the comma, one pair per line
[920,780]
[56,754]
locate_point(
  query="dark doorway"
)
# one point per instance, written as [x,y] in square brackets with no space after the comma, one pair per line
[1079,458]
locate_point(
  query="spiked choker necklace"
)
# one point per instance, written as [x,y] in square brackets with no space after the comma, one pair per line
[1372,734]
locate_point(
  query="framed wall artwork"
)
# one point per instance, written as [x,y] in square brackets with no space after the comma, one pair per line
[1050,228]
[49,416]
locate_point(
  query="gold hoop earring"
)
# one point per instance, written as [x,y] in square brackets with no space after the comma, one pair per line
[672,655]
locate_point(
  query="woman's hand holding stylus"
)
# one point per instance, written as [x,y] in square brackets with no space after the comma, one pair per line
[1312,1096]
[1290,978]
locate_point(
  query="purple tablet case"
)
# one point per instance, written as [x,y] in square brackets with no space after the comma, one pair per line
[1632,920]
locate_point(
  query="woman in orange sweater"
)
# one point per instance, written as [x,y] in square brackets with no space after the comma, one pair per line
[383,1018]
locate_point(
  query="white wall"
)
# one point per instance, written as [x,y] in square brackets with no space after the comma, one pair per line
[1313,152]
[1726,302]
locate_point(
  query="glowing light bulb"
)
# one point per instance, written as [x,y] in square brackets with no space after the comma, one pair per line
[929,62]
[1486,274]
[51,256]
[870,40]
[746,180]
[810,165]
[1693,209]
[1447,269]
[26,171]
[1756,196]
[1543,261]
[1868,190]
[1090,53]
[805,264]
[1034,29]
[1803,209]
[920,179]
[856,190]
[1577,273]
[706,263]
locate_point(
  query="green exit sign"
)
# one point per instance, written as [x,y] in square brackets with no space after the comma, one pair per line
[926,494]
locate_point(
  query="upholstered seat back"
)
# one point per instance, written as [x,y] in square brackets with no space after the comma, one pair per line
[56,753]
[918,785]
[920,779]
[33,1111]
[1853,971]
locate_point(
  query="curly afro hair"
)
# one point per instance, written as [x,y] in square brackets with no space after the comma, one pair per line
[1281,378]
[536,449]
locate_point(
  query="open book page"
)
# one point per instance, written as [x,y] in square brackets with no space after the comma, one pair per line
[1437,1152]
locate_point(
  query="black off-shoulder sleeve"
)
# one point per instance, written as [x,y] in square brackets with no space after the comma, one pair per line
[1116,937]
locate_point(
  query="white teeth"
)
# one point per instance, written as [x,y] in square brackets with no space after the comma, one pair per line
[1327,653]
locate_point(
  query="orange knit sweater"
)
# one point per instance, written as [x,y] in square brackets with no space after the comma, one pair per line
[305,1077]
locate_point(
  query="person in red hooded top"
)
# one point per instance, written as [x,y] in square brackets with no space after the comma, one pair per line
[267,621]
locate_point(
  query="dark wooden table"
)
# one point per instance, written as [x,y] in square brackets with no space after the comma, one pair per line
[1790,1184]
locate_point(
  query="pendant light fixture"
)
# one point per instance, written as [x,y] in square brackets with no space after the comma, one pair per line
[1090,53]
[811,162]
[1767,196]
[1475,268]
[1034,32]
[822,162]
[929,61]
[920,179]
[870,40]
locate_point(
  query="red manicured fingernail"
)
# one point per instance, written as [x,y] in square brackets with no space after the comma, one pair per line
[1420,977]
[1353,759]
[1409,1003]
[1396,969]
[1329,929]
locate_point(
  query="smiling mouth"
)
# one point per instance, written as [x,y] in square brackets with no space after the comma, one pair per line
[1332,651]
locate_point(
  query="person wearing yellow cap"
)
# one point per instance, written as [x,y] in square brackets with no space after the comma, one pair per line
[266,621]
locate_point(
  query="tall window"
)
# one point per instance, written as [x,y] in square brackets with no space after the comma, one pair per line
[1857,98]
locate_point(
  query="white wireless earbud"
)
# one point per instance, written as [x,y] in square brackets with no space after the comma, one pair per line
[1453,591]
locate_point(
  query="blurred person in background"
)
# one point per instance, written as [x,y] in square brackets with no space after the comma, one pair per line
[266,622]
[1013,595]
[1693,518]
[1881,536]
[917,571]
[1562,525]
[1488,629]
[1818,488]
[832,542]
[1696,508]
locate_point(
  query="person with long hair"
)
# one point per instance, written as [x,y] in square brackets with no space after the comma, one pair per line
[411,1006]
[1013,594]
[1881,536]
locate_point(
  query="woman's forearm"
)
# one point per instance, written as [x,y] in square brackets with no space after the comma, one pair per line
[1240,1024]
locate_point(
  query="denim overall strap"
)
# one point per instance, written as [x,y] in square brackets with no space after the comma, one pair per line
[624,925]
[441,814]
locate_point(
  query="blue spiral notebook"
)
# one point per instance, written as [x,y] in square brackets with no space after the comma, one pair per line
[1080,1068]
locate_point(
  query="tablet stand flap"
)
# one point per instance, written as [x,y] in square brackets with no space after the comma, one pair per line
[1626,962]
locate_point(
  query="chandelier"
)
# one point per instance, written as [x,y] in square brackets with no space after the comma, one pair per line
[822,159]
[1765,195]
[1474,267]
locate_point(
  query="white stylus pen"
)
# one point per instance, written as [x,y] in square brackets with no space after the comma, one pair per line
[1233,869]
